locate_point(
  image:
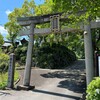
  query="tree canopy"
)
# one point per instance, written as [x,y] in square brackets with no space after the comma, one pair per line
[12,26]
[1,40]
[70,7]
[87,8]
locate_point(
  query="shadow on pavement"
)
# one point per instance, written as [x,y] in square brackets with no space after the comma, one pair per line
[56,74]
[73,81]
[73,77]
[4,93]
[56,94]
[78,87]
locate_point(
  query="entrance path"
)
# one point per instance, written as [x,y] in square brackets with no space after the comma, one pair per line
[59,84]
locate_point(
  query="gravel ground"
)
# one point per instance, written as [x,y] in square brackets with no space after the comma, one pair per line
[58,84]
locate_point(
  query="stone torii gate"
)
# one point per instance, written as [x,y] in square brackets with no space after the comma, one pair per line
[54,19]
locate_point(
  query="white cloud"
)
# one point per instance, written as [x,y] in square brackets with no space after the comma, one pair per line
[2,30]
[8,12]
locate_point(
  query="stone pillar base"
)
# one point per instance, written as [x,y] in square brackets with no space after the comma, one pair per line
[22,87]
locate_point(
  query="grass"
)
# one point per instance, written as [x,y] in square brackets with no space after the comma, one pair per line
[4,79]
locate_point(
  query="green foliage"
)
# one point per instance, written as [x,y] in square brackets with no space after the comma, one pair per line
[75,42]
[71,40]
[0,50]
[23,59]
[96,39]
[17,64]
[12,29]
[11,49]
[24,49]
[55,56]
[45,8]
[4,64]
[20,53]
[27,9]
[90,7]
[93,90]
[4,58]
[4,78]
[1,40]
[30,9]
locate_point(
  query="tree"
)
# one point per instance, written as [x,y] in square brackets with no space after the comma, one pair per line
[88,8]
[1,40]
[79,11]
[12,26]
[30,9]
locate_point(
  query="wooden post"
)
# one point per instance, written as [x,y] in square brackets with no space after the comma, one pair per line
[88,53]
[96,63]
[99,64]
[27,73]
[11,71]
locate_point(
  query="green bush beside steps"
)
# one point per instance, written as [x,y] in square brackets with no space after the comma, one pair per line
[93,89]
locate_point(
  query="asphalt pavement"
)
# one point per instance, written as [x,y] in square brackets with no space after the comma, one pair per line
[58,84]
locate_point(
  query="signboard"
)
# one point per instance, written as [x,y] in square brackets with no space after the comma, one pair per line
[54,22]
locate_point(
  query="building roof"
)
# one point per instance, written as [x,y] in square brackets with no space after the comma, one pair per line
[6,44]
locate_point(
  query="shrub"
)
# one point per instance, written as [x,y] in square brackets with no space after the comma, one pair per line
[4,79]
[0,50]
[93,90]
[55,56]
[17,64]
[24,49]
[20,53]
[23,59]
[4,58]
[11,49]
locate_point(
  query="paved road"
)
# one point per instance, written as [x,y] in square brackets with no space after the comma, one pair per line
[66,84]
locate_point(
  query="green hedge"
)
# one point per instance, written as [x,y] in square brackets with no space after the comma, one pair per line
[93,90]
[55,56]
[47,56]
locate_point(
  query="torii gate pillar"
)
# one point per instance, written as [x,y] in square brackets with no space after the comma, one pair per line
[27,73]
[88,53]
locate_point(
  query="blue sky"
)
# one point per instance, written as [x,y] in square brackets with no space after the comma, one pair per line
[7,6]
